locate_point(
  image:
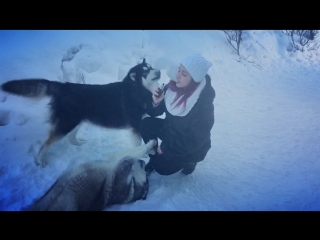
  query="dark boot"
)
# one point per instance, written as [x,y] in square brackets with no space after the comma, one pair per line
[189,168]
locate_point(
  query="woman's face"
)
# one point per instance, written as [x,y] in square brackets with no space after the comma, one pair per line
[183,77]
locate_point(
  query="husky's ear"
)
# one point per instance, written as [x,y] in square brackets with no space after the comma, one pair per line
[126,164]
[133,76]
[136,76]
[141,61]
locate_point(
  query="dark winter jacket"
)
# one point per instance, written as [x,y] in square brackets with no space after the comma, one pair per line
[187,138]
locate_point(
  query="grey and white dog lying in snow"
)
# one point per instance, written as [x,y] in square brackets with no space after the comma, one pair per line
[94,185]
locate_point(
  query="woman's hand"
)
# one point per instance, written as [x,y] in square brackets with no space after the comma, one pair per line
[157,100]
[159,150]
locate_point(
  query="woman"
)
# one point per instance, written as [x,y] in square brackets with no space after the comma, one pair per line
[185,131]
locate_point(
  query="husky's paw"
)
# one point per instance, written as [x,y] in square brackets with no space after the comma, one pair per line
[34,151]
[152,152]
[150,147]
[40,162]
[76,141]
[152,143]
[145,155]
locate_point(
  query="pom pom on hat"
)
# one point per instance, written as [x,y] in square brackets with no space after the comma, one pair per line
[197,66]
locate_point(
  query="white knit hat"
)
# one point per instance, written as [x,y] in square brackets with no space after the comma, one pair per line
[197,66]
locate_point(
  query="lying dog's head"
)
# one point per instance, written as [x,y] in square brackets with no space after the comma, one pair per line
[144,74]
[94,185]
[130,182]
[140,180]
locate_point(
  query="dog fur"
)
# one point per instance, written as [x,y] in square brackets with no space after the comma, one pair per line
[94,185]
[114,105]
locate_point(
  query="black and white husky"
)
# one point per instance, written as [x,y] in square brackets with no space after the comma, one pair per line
[94,185]
[114,105]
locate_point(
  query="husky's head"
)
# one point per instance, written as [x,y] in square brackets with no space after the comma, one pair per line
[144,74]
[130,182]
[139,180]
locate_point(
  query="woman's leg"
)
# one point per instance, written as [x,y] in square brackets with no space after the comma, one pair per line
[166,166]
[151,128]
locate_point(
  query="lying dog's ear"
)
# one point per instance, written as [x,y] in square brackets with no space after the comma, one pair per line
[144,60]
[126,164]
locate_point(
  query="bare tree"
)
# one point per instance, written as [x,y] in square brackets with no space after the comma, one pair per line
[311,34]
[299,39]
[234,37]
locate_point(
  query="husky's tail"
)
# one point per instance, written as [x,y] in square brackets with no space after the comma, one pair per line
[34,88]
